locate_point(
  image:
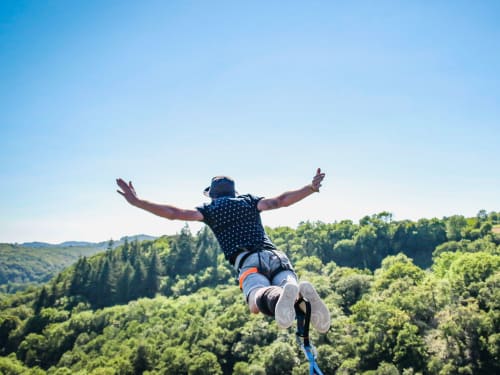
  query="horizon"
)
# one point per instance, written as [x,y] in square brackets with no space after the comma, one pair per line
[397,102]
[199,227]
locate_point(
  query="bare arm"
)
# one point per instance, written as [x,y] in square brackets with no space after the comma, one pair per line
[163,210]
[290,197]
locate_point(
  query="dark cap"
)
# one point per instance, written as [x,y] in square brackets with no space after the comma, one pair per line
[221,186]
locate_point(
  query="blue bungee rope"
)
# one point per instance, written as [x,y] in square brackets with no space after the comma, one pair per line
[303,322]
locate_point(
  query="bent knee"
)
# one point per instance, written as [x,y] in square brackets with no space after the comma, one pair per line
[252,302]
[253,308]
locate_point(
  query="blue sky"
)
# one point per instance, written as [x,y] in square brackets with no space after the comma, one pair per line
[397,101]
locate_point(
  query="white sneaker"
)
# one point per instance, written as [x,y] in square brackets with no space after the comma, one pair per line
[284,312]
[320,316]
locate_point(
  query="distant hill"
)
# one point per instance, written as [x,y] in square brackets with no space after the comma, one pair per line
[37,262]
[102,244]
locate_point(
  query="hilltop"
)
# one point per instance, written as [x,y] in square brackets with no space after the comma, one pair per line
[102,244]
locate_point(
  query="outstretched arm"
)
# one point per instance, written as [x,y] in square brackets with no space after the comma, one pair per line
[163,210]
[291,197]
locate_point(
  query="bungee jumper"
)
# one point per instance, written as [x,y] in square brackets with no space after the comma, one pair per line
[266,276]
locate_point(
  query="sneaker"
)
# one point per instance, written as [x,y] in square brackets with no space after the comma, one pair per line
[285,310]
[320,316]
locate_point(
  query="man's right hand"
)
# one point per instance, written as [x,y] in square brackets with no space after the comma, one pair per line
[317,179]
[128,191]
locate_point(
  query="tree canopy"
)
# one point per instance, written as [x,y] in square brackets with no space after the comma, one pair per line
[406,298]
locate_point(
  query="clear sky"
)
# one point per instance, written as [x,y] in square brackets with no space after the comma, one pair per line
[397,101]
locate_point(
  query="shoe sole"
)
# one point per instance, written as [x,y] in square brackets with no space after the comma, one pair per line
[320,316]
[285,310]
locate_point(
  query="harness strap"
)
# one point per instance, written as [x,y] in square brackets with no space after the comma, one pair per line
[278,270]
[245,274]
[239,262]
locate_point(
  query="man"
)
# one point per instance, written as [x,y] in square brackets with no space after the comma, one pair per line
[266,275]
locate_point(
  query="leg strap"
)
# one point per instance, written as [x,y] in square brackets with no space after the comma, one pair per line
[245,274]
[283,266]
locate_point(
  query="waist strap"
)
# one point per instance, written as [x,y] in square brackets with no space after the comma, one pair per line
[240,259]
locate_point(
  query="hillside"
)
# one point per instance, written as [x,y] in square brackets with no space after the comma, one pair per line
[102,244]
[37,262]
[172,306]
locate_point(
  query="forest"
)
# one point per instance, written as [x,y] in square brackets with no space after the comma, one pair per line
[22,265]
[406,297]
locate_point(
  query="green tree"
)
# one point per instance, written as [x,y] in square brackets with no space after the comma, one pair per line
[180,259]
[151,283]
[468,272]
[204,364]
[454,227]
[136,289]
[124,284]
[206,250]
[81,277]
[8,324]
[280,359]
[397,268]
[466,330]
[124,250]
[141,361]
[351,288]
[12,366]
[365,242]
[105,286]
[174,360]
[42,301]
[344,253]
[410,350]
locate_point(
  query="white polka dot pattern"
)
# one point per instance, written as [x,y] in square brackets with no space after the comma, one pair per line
[235,222]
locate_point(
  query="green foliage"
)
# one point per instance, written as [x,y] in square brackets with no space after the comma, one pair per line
[363,245]
[351,285]
[24,265]
[12,366]
[140,359]
[279,358]
[309,264]
[204,364]
[396,269]
[146,308]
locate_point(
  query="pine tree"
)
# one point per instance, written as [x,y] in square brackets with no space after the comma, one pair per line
[141,361]
[124,252]
[206,254]
[123,286]
[137,289]
[81,277]
[151,283]
[134,252]
[41,301]
[181,258]
[105,285]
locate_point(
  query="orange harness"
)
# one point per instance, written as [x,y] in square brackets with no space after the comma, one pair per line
[245,274]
